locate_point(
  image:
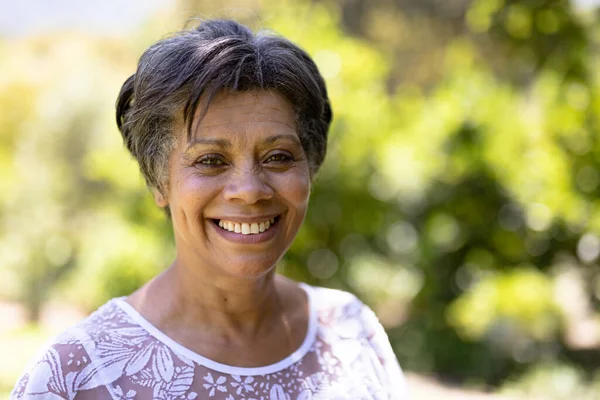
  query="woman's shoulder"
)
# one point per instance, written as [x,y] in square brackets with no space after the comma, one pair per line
[108,317]
[352,331]
[49,373]
[327,300]
[338,307]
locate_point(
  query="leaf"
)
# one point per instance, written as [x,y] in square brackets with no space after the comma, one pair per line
[138,361]
[277,393]
[163,364]
[133,332]
[305,395]
[57,382]
[182,382]
[39,378]
[101,373]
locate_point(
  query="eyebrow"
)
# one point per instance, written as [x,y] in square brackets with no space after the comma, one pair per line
[224,143]
[275,138]
[209,142]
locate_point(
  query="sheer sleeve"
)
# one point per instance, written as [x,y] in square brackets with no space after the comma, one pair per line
[50,375]
[391,375]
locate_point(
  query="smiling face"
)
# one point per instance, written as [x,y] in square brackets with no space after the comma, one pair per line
[238,190]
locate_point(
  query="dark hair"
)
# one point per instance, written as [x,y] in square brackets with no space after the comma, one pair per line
[176,73]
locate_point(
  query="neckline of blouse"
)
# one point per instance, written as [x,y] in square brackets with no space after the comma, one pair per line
[295,356]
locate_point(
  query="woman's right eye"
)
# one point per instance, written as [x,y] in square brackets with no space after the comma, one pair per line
[210,161]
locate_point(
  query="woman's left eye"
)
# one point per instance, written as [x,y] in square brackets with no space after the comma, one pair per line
[279,158]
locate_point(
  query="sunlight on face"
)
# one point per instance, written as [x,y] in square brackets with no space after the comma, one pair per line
[239,188]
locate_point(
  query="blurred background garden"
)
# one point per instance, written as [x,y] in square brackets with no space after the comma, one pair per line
[459,198]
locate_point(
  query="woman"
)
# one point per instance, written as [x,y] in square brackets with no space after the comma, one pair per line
[229,128]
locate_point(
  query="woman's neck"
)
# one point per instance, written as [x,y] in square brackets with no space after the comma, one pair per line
[223,306]
[241,322]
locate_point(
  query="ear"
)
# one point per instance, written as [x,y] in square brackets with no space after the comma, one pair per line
[160,199]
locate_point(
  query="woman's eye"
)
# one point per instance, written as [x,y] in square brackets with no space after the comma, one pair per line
[210,161]
[279,158]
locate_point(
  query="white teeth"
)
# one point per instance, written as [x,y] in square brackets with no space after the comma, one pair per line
[246,228]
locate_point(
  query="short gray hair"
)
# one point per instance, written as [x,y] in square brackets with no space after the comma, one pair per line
[174,74]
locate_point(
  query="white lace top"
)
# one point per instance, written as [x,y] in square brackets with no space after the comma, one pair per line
[116,354]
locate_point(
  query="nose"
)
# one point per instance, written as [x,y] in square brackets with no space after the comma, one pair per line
[248,185]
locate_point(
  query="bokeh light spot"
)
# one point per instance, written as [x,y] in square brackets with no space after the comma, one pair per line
[322,263]
[402,237]
[539,217]
[588,248]
[329,63]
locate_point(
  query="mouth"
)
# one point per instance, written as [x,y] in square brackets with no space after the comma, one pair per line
[246,228]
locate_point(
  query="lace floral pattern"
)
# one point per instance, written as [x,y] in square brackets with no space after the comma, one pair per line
[114,354]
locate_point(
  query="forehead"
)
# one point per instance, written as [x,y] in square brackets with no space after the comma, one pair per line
[243,110]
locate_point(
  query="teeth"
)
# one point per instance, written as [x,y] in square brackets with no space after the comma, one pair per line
[245,228]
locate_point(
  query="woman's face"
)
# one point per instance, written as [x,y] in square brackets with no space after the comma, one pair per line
[238,191]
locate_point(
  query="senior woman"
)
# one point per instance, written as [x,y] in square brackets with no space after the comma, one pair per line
[229,129]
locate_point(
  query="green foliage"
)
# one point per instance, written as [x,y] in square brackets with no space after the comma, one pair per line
[524,297]
[69,188]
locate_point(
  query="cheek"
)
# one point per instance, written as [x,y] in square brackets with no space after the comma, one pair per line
[295,188]
[303,192]
[192,193]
